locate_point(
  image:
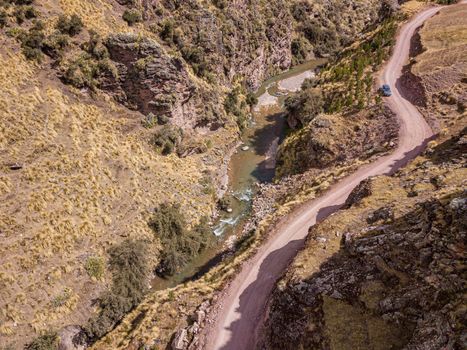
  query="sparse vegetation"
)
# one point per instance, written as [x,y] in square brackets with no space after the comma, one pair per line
[167,138]
[95,267]
[180,244]
[130,270]
[32,41]
[47,341]
[69,25]
[132,16]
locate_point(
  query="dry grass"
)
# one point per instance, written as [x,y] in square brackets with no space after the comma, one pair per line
[89,179]
[443,68]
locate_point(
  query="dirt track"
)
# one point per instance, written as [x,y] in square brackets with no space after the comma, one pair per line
[243,305]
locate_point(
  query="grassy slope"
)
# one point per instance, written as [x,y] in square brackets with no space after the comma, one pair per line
[89,179]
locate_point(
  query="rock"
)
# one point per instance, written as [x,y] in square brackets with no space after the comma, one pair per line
[71,338]
[16,166]
[245,148]
[384,213]
[193,329]
[362,190]
[151,81]
[200,316]
[180,341]
[229,210]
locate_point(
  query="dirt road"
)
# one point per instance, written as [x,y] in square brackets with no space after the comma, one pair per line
[243,306]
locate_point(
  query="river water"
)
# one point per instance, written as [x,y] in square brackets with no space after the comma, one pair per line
[253,162]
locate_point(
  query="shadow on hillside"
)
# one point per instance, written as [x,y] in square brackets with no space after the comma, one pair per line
[265,142]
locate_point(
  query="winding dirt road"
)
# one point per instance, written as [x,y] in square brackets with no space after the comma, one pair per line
[243,305]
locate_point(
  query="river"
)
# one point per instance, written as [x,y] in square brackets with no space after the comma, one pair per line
[253,162]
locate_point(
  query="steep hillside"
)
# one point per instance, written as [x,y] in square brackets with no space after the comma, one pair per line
[387,272]
[109,109]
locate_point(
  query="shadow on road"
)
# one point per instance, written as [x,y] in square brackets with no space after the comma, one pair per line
[253,299]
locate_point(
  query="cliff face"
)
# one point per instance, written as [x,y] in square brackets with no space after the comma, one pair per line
[387,272]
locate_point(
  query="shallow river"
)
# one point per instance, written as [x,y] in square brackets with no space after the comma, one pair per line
[253,162]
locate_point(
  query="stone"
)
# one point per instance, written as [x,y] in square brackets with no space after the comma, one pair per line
[180,341]
[200,316]
[70,338]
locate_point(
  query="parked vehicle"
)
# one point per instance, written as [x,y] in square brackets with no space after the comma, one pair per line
[385,90]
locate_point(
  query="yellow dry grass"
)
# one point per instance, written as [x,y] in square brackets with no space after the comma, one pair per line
[89,180]
[445,39]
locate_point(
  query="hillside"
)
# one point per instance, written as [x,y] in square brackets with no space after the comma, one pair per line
[109,109]
[387,272]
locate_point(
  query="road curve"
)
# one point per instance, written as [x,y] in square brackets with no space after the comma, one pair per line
[243,305]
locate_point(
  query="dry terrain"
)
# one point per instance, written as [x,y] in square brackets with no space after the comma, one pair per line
[388,270]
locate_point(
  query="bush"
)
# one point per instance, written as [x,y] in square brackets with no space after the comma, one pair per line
[47,341]
[180,245]
[166,139]
[85,71]
[62,298]
[234,105]
[95,46]
[95,267]
[32,42]
[132,16]
[305,106]
[71,26]
[54,45]
[130,272]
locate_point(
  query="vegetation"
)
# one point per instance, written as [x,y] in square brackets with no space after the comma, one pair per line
[128,263]
[354,70]
[132,16]
[47,341]
[62,298]
[180,245]
[69,25]
[32,41]
[236,105]
[95,267]
[166,139]
[90,66]
[305,105]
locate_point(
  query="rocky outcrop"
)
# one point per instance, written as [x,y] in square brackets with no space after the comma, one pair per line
[329,140]
[402,280]
[151,81]
[188,338]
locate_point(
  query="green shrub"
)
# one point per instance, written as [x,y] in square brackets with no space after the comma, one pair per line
[180,245]
[47,341]
[251,99]
[32,41]
[132,16]
[305,105]
[86,71]
[166,139]
[95,267]
[95,47]
[71,26]
[54,45]
[130,270]
[234,105]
